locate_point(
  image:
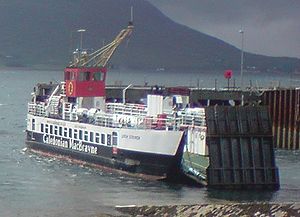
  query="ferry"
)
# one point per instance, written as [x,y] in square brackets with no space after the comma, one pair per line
[162,137]
[73,119]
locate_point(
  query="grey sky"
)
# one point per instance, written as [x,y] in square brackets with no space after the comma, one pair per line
[272,27]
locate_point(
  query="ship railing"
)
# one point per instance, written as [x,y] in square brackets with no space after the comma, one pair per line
[111,120]
[63,88]
[119,117]
[105,120]
[182,118]
[126,109]
[68,112]
[162,123]
[37,109]
[139,122]
[193,119]
[54,106]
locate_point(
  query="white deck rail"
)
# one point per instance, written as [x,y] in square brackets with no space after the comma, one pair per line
[120,115]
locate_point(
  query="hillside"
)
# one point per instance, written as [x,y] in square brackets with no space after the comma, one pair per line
[43,32]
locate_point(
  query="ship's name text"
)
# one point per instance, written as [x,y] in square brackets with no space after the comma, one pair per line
[69,143]
[130,137]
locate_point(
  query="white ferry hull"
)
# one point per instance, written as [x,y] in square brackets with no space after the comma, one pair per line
[149,152]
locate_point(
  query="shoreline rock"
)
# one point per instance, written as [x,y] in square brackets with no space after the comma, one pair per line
[212,210]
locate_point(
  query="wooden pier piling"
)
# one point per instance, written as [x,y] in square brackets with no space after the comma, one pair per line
[284,110]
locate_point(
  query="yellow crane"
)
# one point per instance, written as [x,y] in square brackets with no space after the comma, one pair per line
[100,57]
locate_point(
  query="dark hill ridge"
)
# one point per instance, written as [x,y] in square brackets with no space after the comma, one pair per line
[37,32]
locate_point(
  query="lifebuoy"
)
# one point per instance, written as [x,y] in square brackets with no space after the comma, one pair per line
[70,88]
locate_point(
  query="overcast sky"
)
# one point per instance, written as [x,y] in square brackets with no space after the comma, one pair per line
[271,27]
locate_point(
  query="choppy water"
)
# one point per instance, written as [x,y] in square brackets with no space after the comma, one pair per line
[31,185]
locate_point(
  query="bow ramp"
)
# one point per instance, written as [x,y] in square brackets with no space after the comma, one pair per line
[238,150]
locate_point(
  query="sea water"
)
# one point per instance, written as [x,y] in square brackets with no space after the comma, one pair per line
[32,185]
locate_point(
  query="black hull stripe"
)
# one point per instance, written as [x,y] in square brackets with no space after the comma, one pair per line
[124,160]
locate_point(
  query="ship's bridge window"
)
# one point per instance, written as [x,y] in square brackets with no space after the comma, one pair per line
[42,128]
[51,129]
[98,76]
[69,75]
[84,76]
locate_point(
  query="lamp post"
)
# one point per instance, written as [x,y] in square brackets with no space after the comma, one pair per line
[81,32]
[124,92]
[242,58]
[242,66]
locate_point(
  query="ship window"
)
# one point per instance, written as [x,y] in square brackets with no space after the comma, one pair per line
[67,75]
[92,136]
[60,131]
[70,132]
[33,124]
[114,138]
[72,76]
[84,76]
[65,132]
[51,129]
[42,128]
[46,128]
[97,76]
[80,134]
[103,138]
[86,135]
[108,139]
[75,135]
[55,130]
[97,138]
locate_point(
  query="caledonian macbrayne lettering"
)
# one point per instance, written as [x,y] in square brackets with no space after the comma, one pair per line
[69,143]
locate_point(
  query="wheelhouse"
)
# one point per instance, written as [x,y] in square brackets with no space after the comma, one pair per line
[85,81]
